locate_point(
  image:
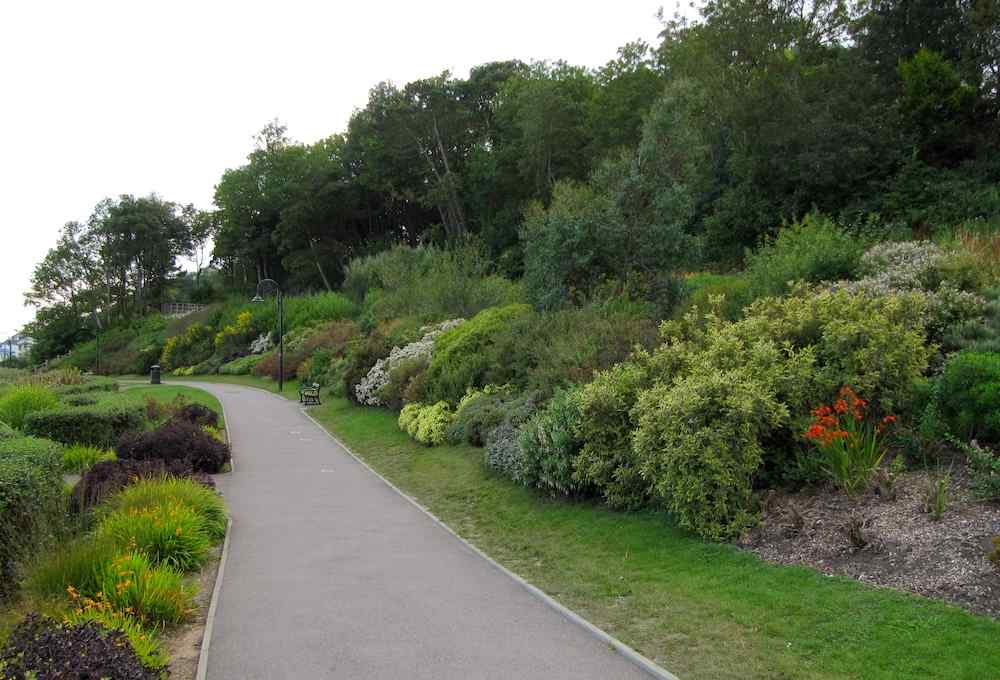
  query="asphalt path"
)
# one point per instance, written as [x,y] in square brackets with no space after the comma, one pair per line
[333,574]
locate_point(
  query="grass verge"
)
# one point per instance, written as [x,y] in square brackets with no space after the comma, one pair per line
[700,610]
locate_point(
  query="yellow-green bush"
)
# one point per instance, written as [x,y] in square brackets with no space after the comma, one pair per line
[426,423]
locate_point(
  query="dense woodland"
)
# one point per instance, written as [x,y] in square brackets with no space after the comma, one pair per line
[884,115]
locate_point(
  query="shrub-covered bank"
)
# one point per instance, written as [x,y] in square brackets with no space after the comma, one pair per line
[102,564]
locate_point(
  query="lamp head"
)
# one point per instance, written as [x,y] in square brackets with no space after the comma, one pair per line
[257,299]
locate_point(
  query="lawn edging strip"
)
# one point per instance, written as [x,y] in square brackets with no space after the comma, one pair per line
[206,638]
[632,655]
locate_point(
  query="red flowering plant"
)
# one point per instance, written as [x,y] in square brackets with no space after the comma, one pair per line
[850,440]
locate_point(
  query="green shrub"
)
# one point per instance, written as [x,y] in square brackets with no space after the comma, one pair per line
[31,501]
[304,310]
[733,288]
[98,425]
[698,443]
[464,356]
[605,427]
[7,432]
[478,412]
[148,493]
[21,401]
[566,347]
[79,458]
[241,366]
[969,396]
[503,451]
[550,446]
[426,283]
[426,423]
[88,386]
[810,251]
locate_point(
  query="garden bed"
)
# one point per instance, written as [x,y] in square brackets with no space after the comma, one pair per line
[905,548]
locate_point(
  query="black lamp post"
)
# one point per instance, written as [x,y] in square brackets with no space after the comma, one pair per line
[97,338]
[281,326]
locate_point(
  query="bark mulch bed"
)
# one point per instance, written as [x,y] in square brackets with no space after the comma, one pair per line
[888,538]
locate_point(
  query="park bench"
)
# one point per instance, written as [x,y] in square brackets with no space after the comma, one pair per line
[309,394]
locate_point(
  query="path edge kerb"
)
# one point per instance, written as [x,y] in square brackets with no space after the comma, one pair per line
[632,655]
[206,638]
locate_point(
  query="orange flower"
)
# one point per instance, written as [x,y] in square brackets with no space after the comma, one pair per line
[840,406]
[888,420]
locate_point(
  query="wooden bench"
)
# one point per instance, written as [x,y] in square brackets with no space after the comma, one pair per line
[309,394]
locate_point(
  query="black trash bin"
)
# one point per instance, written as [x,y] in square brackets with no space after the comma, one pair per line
[154,375]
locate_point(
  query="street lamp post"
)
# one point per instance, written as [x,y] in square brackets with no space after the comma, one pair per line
[281,326]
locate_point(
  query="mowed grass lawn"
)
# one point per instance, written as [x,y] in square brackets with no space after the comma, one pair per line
[700,610]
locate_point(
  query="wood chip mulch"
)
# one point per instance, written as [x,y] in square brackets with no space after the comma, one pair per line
[889,542]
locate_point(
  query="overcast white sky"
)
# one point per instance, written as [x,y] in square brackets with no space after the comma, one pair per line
[104,98]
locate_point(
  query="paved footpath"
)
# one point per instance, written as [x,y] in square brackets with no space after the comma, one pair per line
[332,574]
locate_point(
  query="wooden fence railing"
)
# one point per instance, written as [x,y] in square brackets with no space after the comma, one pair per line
[180,308]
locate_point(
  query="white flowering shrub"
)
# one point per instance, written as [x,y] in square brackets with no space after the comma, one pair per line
[261,344]
[367,390]
[916,266]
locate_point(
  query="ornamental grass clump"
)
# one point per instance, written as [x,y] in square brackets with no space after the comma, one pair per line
[850,442]
[151,493]
[80,458]
[170,533]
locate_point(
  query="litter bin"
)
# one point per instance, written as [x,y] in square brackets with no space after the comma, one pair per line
[154,375]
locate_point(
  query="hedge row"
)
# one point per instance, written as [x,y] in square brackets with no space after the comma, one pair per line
[31,500]
[90,385]
[94,424]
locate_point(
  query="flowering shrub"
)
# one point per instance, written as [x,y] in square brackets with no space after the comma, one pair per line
[916,266]
[193,346]
[234,337]
[171,534]
[427,424]
[848,440]
[367,390]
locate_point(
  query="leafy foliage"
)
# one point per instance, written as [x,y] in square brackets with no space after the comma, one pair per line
[698,443]
[31,501]
[464,356]
[549,446]
[177,440]
[79,458]
[23,400]
[969,396]
[426,423]
[43,648]
[102,424]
